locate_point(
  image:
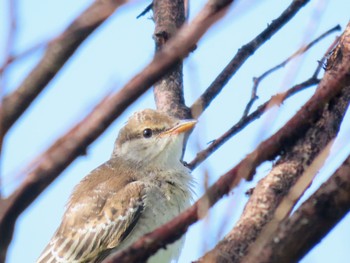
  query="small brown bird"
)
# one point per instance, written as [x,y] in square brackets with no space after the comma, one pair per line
[141,187]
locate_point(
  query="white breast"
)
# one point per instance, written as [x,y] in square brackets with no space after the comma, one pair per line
[163,201]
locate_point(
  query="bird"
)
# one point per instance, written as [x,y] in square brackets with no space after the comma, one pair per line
[143,185]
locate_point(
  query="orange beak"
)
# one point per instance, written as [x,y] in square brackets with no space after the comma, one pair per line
[182,126]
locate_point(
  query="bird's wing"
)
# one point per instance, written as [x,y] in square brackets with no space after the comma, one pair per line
[88,230]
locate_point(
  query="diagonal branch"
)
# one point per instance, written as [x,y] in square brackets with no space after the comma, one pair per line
[58,51]
[242,55]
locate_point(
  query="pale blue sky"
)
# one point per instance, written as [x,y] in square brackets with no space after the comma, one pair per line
[118,50]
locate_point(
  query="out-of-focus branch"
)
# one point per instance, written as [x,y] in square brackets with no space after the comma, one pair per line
[58,51]
[302,50]
[169,16]
[329,87]
[242,55]
[297,156]
[74,143]
[312,221]
[13,57]
[12,32]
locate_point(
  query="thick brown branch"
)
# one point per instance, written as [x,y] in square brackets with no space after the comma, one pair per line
[329,87]
[169,16]
[298,155]
[58,51]
[242,55]
[313,220]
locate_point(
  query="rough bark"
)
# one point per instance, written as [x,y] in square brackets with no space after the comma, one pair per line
[169,16]
[312,221]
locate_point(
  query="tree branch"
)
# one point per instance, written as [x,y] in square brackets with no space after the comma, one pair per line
[169,16]
[241,56]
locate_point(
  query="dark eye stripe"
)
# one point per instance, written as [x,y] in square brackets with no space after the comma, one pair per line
[139,134]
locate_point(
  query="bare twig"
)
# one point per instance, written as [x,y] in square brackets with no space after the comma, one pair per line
[257,80]
[244,121]
[59,50]
[12,31]
[13,57]
[146,10]
[242,55]
[329,87]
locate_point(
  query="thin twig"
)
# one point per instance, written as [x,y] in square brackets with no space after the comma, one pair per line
[146,10]
[14,57]
[12,32]
[245,120]
[242,55]
[275,100]
[257,80]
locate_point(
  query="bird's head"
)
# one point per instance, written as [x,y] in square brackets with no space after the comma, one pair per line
[152,136]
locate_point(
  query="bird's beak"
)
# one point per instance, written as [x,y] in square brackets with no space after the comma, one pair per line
[181,127]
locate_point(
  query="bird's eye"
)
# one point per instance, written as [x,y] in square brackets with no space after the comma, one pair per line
[147,133]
